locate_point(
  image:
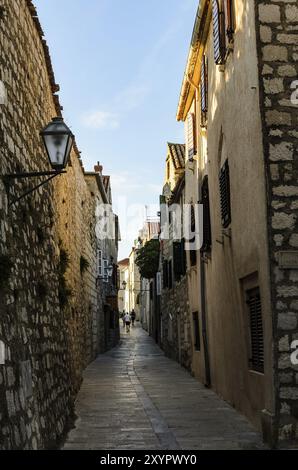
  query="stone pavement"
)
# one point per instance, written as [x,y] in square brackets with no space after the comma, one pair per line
[134,397]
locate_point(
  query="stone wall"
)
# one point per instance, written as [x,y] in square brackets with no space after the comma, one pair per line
[35,401]
[277,43]
[176,332]
[47,342]
[175,314]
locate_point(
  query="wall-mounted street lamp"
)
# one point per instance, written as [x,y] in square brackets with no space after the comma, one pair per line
[58,141]
[109,271]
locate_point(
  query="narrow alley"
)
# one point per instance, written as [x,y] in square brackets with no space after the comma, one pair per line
[133,397]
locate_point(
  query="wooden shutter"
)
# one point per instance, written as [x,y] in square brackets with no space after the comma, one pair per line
[191,141]
[207,239]
[179,259]
[196,331]
[204,87]
[165,274]
[218,32]
[256,329]
[170,270]
[99,263]
[225,201]
[193,253]
[229,18]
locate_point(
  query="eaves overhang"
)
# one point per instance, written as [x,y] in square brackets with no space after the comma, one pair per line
[192,71]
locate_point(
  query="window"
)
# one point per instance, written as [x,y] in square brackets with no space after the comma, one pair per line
[196,331]
[229,18]
[191,132]
[99,263]
[158,284]
[165,274]
[168,170]
[204,90]
[223,27]
[207,239]
[151,290]
[225,200]
[253,300]
[170,266]
[218,33]
[179,259]
[193,253]
[105,270]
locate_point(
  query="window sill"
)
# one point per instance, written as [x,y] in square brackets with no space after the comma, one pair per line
[255,372]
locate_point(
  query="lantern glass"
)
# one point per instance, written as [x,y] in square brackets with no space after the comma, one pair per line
[110,270]
[58,140]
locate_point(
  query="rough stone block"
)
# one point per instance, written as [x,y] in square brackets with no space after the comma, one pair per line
[292,13]
[289,393]
[282,151]
[282,220]
[286,71]
[278,118]
[294,240]
[265,33]
[273,86]
[287,321]
[275,53]
[269,13]
[285,191]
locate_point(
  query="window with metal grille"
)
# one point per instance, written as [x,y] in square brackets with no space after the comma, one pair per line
[179,259]
[204,90]
[225,199]
[219,35]
[193,252]
[196,331]
[253,300]
[207,239]
[191,136]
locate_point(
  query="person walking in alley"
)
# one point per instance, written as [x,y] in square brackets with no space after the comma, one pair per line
[123,318]
[133,317]
[127,319]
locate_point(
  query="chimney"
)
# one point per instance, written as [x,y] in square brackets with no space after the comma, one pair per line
[98,168]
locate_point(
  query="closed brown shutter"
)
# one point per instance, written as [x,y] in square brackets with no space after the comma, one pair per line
[225,200]
[191,140]
[207,240]
[218,32]
[179,259]
[229,18]
[256,329]
[193,253]
[165,274]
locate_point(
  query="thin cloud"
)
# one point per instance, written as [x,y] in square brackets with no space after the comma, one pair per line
[132,97]
[101,120]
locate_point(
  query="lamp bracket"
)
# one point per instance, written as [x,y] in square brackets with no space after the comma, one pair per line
[9,177]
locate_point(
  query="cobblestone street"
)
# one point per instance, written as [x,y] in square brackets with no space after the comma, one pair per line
[135,398]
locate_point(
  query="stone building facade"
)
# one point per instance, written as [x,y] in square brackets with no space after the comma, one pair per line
[238,105]
[277,52]
[174,304]
[49,302]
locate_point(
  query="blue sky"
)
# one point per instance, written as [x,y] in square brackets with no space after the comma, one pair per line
[120,66]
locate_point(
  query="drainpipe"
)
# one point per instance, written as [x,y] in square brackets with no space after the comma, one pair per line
[204,324]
